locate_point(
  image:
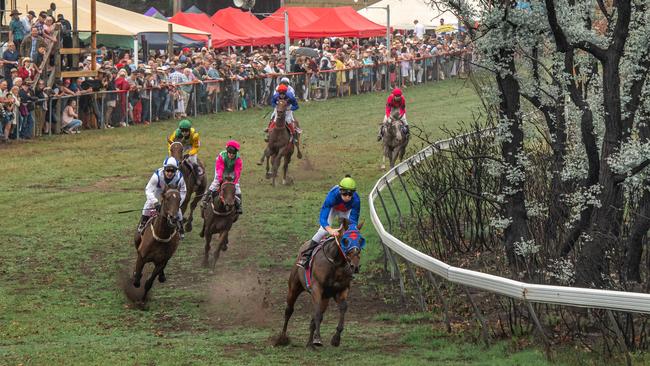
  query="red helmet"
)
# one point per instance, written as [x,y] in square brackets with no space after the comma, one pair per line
[233,143]
[397,91]
[282,88]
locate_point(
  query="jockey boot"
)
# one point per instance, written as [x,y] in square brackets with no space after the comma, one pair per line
[238,204]
[306,255]
[380,135]
[198,172]
[143,222]
[206,198]
[405,129]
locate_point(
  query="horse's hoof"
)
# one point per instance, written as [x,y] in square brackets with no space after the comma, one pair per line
[136,284]
[383,167]
[224,247]
[299,155]
[259,163]
[336,340]
[317,342]
[282,340]
[269,175]
[161,277]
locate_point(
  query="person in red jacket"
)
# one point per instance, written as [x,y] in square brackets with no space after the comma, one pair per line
[395,101]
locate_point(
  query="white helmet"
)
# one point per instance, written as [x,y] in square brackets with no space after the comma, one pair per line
[170,162]
[285,80]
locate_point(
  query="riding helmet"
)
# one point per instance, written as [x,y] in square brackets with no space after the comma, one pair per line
[170,162]
[397,91]
[282,88]
[285,80]
[233,144]
[348,183]
[185,124]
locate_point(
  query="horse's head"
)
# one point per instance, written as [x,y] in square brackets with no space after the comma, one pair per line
[171,202]
[176,150]
[227,193]
[394,114]
[281,112]
[352,243]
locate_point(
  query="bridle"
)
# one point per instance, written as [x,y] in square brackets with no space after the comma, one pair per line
[170,222]
[223,201]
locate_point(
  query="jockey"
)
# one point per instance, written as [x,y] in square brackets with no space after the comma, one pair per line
[285,81]
[188,136]
[283,92]
[342,201]
[395,100]
[227,164]
[168,175]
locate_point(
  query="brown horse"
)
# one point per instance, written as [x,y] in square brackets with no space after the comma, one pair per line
[332,271]
[193,185]
[158,241]
[218,217]
[279,145]
[395,141]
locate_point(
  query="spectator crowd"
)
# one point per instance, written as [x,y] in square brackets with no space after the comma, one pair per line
[198,81]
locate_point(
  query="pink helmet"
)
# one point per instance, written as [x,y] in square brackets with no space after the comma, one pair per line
[397,91]
[233,143]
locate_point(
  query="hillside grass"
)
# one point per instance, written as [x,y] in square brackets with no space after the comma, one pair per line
[66,253]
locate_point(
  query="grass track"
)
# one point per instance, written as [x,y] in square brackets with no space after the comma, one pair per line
[66,251]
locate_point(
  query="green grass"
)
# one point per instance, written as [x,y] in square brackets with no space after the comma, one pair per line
[66,250]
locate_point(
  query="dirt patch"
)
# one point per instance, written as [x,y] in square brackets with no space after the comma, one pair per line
[240,298]
[107,184]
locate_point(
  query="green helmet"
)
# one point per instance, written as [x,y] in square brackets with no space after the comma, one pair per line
[348,183]
[185,124]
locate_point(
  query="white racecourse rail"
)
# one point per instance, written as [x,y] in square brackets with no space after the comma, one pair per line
[559,295]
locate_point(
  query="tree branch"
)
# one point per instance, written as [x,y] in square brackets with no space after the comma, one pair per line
[619,178]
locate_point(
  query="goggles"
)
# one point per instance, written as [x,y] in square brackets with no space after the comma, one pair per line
[170,170]
[346,192]
[231,150]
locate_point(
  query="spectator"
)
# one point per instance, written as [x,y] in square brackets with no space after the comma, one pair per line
[17,29]
[48,30]
[31,44]
[418,29]
[66,37]
[27,71]
[27,101]
[9,61]
[28,21]
[5,110]
[70,122]
[39,24]
[39,109]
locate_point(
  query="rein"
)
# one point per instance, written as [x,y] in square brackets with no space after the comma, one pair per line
[214,210]
[340,250]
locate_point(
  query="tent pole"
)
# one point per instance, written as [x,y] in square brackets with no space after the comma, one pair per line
[287,66]
[387,44]
[170,40]
[135,50]
[93,34]
[209,42]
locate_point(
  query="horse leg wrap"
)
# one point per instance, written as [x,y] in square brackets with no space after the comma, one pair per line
[238,204]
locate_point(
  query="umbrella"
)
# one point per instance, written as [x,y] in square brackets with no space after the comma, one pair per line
[445,28]
[306,51]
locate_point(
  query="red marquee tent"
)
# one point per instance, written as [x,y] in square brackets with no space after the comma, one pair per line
[247,25]
[299,17]
[220,37]
[341,21]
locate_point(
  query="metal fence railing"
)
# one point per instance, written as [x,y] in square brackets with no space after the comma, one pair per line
[546,294]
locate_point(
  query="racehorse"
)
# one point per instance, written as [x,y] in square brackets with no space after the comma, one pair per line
[159,240]
[218,217]
[193,185]
[395,141]
[279,145]
[332,267]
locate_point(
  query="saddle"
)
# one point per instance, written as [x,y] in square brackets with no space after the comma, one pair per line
[290,127]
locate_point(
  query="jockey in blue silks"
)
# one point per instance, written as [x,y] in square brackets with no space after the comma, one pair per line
[342,201]
[283,92]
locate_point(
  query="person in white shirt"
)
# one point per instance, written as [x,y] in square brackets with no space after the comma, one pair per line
[419,29]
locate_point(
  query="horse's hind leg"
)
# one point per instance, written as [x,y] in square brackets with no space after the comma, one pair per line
[149,283]
[222,239]
[285,168]
[190,217]
[342,301]
[295,289]
[276,167]
[137,273]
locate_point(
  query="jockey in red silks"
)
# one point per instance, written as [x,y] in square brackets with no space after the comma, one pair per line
[395,100]
[227,164]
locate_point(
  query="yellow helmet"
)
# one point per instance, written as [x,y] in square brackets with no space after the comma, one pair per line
[348,183]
